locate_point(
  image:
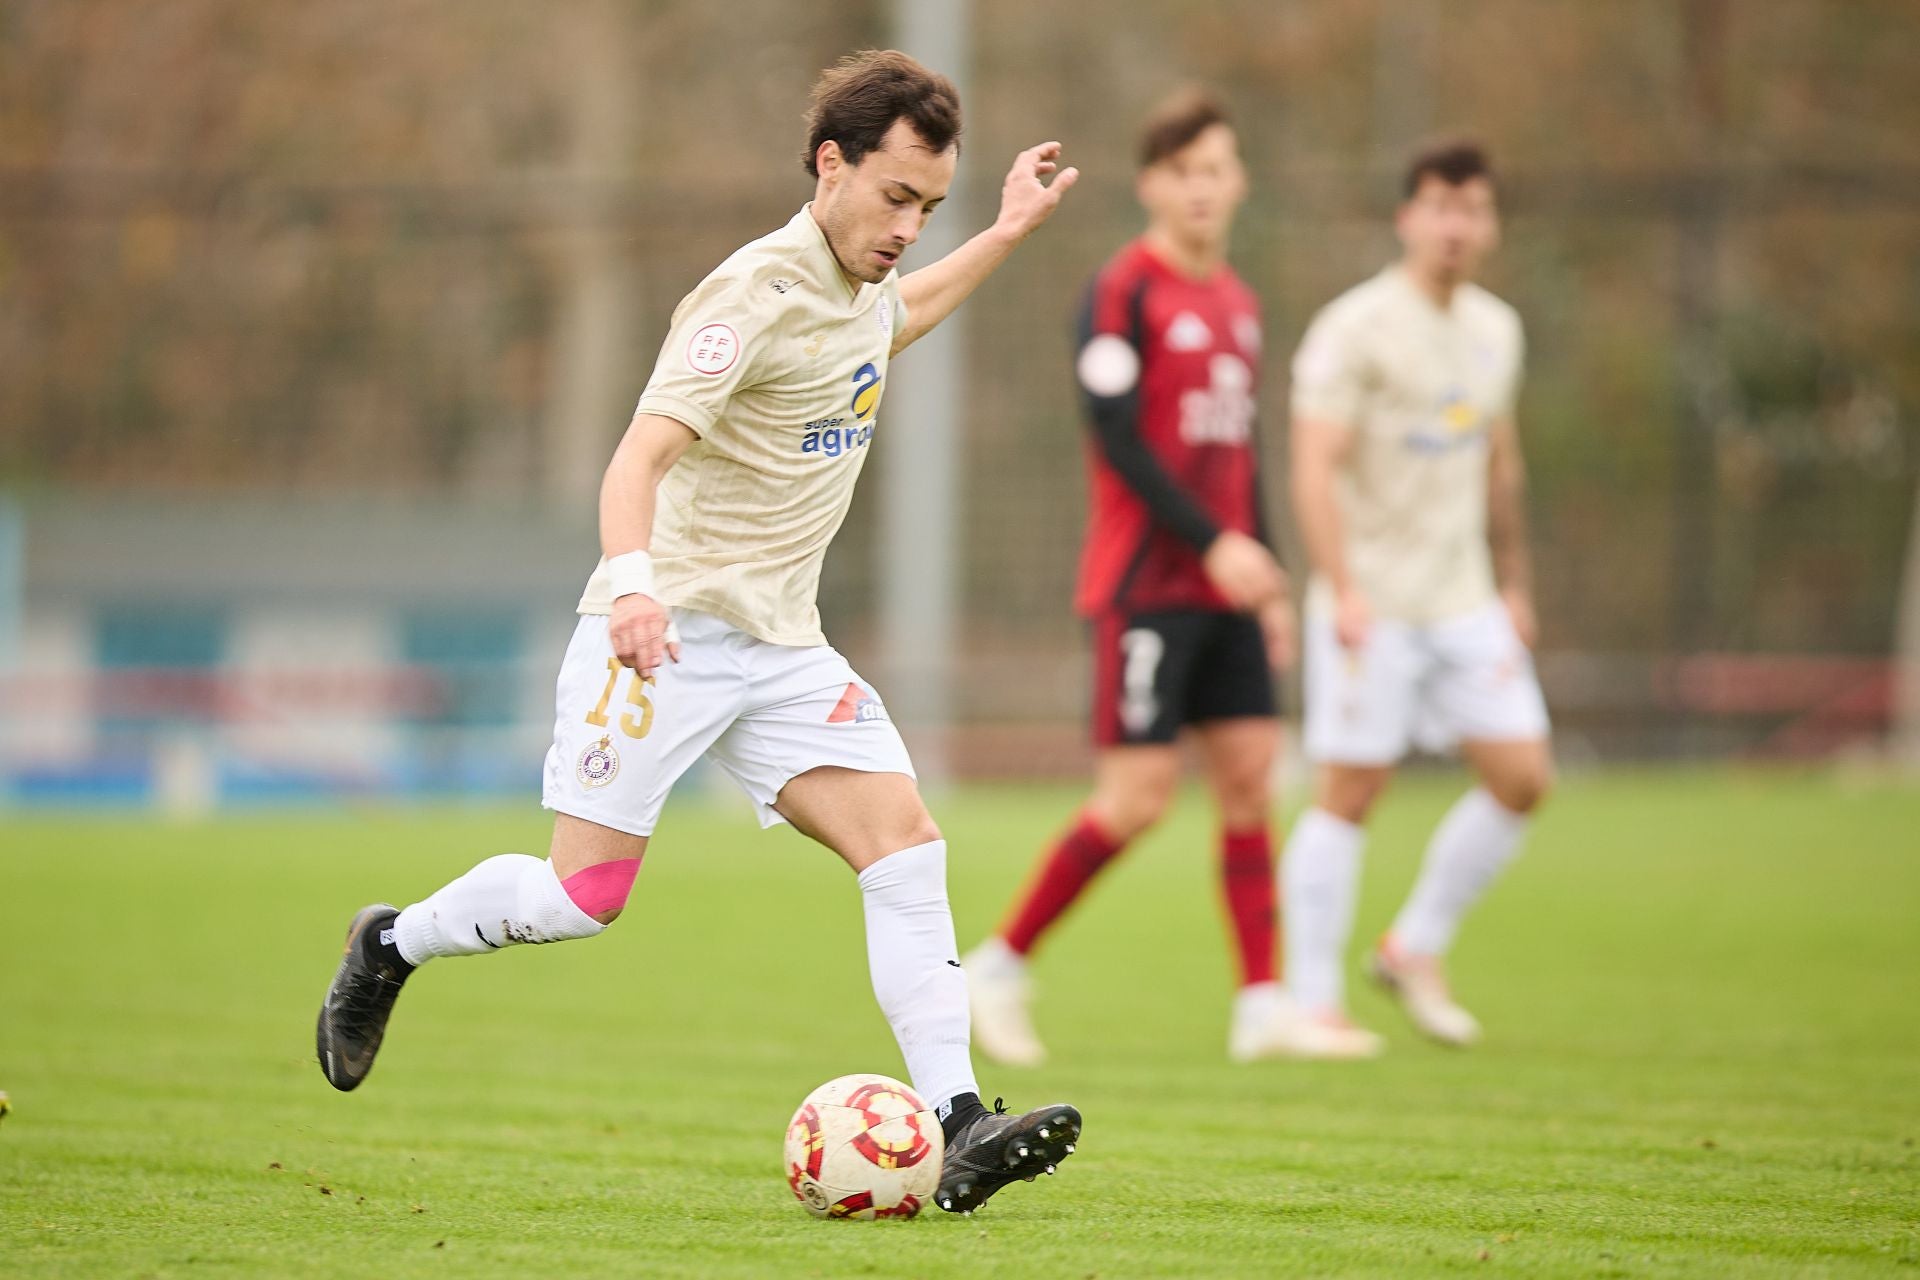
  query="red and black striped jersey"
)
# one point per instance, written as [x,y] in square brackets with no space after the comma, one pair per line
[1168,366]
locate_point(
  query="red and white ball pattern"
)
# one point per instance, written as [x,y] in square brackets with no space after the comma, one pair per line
[864,1147]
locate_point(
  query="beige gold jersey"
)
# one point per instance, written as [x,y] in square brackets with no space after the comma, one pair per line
[1420,388]
[778,364]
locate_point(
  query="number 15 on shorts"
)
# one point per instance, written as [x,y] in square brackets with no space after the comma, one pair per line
[636,697]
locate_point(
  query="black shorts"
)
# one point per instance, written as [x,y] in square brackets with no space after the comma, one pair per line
[1155,672]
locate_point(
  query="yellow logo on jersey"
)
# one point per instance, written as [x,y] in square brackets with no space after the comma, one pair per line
[866,392]
[1457,423]
[1460,414]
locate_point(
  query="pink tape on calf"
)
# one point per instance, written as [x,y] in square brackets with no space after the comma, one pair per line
[604,886]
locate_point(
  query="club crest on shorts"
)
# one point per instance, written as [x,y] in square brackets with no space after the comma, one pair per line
[598,764]
[857,706]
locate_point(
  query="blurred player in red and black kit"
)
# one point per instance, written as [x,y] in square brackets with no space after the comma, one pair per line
[1189,608]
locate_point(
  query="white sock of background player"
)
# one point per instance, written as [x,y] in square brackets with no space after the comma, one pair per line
[1319,886]
[1473,843]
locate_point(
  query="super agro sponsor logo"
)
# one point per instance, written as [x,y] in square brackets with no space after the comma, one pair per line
[837,435]
[1457,423]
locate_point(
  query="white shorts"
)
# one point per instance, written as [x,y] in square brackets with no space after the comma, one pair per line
[1433,686]
[765,713]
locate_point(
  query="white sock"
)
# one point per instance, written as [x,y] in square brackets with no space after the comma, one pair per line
[993,958]
[1477,838]
[914,963]
[509,898]
[1319,884]
[1259,1000]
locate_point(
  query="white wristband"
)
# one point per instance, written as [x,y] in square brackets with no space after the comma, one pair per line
[630,573]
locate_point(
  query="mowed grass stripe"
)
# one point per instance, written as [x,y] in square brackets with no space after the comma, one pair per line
[1701,991]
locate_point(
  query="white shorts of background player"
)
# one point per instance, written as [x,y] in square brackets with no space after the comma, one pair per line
[764,713]
[1429,685]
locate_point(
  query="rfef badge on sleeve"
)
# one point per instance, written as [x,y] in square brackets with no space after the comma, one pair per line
[713,349]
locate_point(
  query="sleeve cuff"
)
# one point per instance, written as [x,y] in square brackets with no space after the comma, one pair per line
[685,412]
[1335,410]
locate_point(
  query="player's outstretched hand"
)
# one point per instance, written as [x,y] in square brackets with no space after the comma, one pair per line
[1352,619]
[1244,571]
[1520,610]
[642,634]
[1277,629]
[1027,199]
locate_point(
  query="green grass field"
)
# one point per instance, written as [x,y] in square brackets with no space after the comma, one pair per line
[1702,993]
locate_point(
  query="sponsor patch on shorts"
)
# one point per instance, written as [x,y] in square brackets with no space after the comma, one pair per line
[857,706]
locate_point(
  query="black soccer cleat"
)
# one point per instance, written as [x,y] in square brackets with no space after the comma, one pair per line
[998,1148]
[354,1018]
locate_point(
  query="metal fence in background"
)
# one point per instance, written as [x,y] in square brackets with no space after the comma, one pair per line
[420,262]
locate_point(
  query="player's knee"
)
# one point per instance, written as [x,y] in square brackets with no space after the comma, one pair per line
[905,831]
[1246,797]
[1131,821]
[1524,790]
[601,891]
[919,830]
[1126,813]
[890,839]
[1350,795]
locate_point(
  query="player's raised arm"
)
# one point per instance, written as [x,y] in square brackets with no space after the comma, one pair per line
[1026,200]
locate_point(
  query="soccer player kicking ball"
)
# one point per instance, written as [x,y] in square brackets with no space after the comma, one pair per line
[699,631]
[1188,606]
[1409,490]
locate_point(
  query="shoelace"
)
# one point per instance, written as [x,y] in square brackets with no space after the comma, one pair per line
[999,1109]
[365,995]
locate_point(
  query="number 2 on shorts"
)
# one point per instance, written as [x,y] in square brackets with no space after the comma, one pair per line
[636,695]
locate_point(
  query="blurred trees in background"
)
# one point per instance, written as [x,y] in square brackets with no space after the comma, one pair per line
[431,246]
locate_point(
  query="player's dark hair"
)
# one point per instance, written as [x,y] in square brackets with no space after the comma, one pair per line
[856,101]
[1176,122]
[1455,161]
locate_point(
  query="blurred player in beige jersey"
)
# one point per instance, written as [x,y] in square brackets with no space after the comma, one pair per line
[699,633]
[1408,487]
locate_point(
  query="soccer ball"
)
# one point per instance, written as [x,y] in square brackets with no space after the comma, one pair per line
[864,1147]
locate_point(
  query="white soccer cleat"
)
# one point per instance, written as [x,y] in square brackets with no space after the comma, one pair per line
[998,993]
[1267,1024]
[1420,984]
